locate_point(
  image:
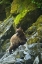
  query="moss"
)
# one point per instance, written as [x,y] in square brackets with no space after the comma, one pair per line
[22,19]
[39,31]
[5,45]
[18,56]
[34,33]
[33,40]
[19,6]
[31,30]
[38,23]
[19,17]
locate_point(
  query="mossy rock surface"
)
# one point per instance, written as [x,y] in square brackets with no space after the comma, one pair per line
[34,33]
[19,6]
[27,13]
[26,18]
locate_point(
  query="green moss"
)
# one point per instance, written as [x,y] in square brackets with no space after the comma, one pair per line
[31,30]
[5,45]
[18,56]
[34,33]
[39,31]
[38,3]
[19,17]
[37,25]
[19,5]
[33,40]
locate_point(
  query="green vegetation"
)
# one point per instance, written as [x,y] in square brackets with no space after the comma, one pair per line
[18,6]
[35,31]
[24,13]
[38,3]
[20,16]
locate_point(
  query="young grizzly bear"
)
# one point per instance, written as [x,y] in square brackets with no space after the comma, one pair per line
[17,39]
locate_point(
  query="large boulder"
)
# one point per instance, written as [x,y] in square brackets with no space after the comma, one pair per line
[26,19]
[25,54]
[6,31]
[34,33]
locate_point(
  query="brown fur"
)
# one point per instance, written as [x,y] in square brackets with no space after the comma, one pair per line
[17,39]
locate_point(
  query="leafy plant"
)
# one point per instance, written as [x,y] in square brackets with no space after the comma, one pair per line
[38,3]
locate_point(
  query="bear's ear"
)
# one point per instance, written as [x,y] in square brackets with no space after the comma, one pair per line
[20,27]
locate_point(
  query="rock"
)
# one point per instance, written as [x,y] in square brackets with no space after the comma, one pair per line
[6,31]
[2,12]
[19,61]
[21,55]
[28,59]
[36,61]
[34,33]
[26,19]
